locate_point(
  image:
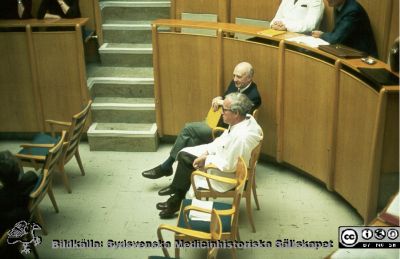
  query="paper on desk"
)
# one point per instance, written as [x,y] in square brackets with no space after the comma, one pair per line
[394,207]
[197,215]
[309,41]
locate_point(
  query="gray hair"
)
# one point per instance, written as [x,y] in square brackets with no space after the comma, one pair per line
[240,103]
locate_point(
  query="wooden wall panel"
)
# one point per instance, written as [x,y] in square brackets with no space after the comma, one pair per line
[307,123]
[390,156]
[188,78]
[358,108]
[60,86]
[219,7]
[265,76]
[254,9]
[20,107]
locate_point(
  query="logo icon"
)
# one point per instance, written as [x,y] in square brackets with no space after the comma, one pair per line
[392,234]
[24,233]
[349,237]
[367,234]
[380,233]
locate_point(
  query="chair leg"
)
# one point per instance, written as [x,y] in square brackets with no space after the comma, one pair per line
[52,198]
[65,177]
[234,254]
[250,212]
[78,159]
[255,194]
[177,252]
[40,220]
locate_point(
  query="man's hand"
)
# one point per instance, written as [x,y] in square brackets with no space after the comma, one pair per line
[316,34]
[216,102]
[200,161]
[278,25]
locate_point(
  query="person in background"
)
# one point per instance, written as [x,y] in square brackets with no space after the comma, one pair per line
[15,9]
[352,27]
[302,16]
[197,133]
[242,136]
[59,9]
[15,187]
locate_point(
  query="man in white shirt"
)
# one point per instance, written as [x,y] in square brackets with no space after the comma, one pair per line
[302,16]
[240,139]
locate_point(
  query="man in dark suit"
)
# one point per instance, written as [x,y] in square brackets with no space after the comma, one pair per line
[197,133]
[352,27]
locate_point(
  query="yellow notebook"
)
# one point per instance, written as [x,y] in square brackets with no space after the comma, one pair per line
[213,117]
[271,32]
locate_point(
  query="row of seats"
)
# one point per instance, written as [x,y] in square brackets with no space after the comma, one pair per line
[50,153]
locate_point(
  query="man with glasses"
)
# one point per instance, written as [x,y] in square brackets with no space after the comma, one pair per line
[240,139]
[197,133]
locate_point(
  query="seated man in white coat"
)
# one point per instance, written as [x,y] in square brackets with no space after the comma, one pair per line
[302,16]
[240,139]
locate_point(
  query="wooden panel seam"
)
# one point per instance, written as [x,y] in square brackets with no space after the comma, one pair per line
[279,101]
[156,71]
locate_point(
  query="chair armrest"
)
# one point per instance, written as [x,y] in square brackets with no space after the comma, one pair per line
[31,157]
[60,123]
[37,146]
[216,130]
[209,177]
[52,123]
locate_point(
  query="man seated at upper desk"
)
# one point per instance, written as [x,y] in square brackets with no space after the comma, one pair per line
[300,16]
[352,27]
[197,133]
[59,9]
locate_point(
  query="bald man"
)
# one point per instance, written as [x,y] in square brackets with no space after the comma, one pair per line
[197,133]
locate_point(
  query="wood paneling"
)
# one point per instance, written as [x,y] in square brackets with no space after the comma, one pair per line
[17,92]
[358,108]
[219,7]
[188,72]
[308,109]
[254,9]
[44,69]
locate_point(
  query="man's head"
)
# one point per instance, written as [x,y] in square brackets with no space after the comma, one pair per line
[235,108]
[336,3]
[243,74]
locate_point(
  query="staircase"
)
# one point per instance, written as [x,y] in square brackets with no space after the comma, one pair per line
[123,109]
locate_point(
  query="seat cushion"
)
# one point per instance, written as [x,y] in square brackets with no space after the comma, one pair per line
[40,139]
[204,226]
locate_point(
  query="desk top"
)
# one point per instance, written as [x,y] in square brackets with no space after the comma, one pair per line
[43,22]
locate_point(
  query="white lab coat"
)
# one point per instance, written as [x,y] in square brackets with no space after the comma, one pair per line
[225,150]
[304,16]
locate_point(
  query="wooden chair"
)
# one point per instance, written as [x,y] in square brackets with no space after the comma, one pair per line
[214,234]
[44,186]
[228,212]
[249,189]
[41,142]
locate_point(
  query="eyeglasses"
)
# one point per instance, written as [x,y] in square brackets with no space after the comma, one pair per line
[226,109]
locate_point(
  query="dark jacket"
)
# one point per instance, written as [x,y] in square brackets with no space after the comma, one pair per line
[53,7]
[353,29]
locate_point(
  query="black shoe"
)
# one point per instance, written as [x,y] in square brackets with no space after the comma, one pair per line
[156,172]
[166,191]
[173,206]
[162,205]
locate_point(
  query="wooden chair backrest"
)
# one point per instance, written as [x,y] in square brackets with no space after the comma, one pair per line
[48,168]
[75,132]
[241,176]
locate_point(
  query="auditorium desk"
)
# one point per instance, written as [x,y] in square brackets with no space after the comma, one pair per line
[319,114]
[42,72]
